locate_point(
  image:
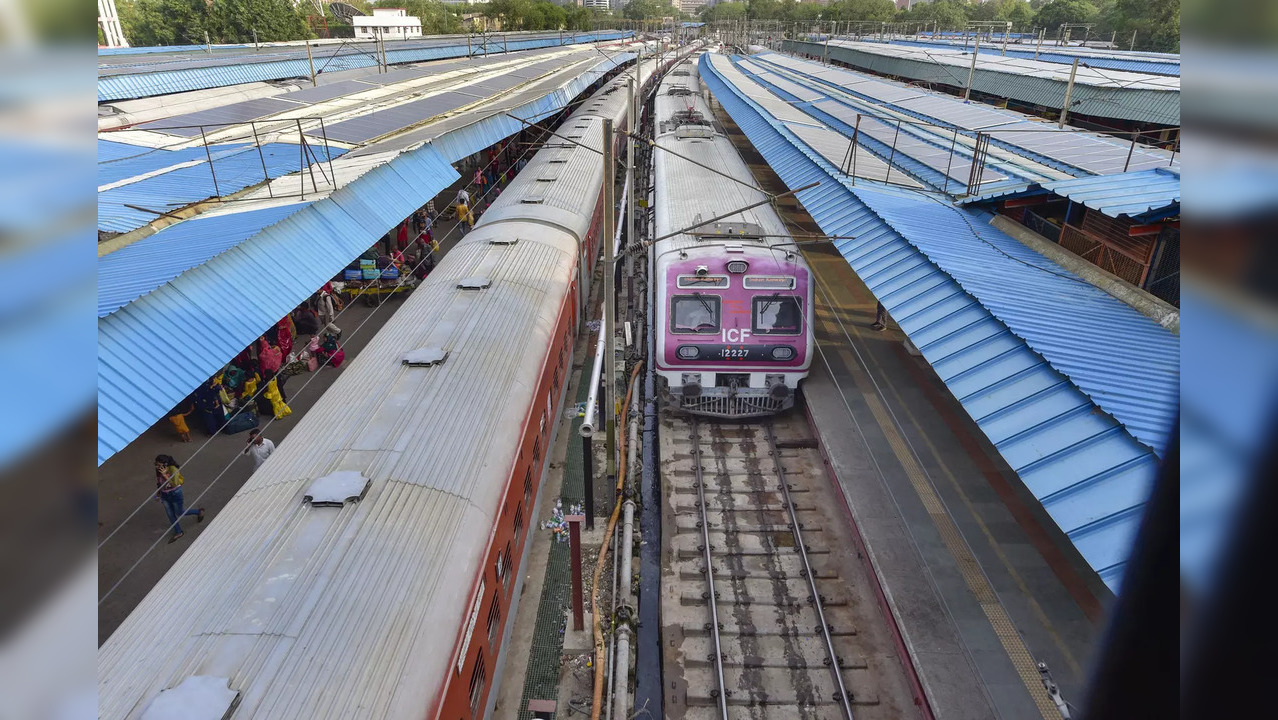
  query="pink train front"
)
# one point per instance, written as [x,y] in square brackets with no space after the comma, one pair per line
[734,296]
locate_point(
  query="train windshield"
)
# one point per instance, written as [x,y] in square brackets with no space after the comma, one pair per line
[696,313]
[777,315]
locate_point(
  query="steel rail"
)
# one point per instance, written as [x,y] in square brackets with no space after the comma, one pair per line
[711,600]
[807,570]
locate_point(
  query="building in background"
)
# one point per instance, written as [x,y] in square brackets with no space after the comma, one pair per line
[596,4]
[109,22]
[390,23]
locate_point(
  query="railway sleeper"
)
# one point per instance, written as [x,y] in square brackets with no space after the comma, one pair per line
[760,687]
[725,544]
[762,593]
[729,628]
[760,712]
[781,651]
[739,525]
[752,501]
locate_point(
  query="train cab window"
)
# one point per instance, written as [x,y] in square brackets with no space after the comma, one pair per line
[695,313]
[777,315]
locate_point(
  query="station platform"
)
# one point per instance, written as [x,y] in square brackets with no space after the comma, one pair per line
[981,583]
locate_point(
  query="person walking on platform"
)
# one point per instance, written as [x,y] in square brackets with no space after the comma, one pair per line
[463,198]
[258,447]
[168,490]
[880,318]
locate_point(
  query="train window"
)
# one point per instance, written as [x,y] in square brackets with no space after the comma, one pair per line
[702,281]
[777,315]
[519,520]
[695,313]
[478,677]
[528,486]
[494,617]
[505,582]
[765,282]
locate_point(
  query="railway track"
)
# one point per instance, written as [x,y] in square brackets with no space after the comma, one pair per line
[786,599]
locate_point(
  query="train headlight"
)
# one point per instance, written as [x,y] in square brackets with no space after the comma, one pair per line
[783,352]
[738,266]
[688,352]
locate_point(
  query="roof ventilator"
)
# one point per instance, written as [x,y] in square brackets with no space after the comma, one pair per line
[532,200]
[336,489]
[503,240]
[199,696]
[474,283]
[425,357]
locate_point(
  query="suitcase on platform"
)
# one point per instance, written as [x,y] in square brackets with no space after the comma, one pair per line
[244,420]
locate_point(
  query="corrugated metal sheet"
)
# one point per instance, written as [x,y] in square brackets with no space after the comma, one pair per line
[1065,56]
[1087,468]
[211,313]
[1137,194]
[1068,149]
[1121,103]
[206,307]
[1132,193]
[135,270]
[149,83]
[236,166]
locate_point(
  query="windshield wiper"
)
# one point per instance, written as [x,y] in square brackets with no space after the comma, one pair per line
[704,303]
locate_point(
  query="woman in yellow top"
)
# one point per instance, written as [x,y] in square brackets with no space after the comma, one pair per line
[168,490]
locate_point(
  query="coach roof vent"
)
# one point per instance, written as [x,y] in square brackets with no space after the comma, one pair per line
[503,240]
[425,357]
[199,697]
[474,283]
[337,489]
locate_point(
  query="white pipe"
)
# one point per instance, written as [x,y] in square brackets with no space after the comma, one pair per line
[621,592]
[592,400]
[626,551]
[621,693]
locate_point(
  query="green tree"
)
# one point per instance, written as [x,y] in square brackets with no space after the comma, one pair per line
[645,9]
[1058,12]
[945,14]
[185,22]
[722,12]
[234,21]
[1155,22]
[163,22]
[844,10]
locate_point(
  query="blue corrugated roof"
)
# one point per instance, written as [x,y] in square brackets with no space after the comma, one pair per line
[968,296]
[1063,56]
[1136,194]
[211,312]
[135,270]
[237,167]
[119,161]
[161,82]
[1131,193]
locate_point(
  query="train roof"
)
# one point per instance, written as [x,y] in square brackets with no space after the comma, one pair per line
[693,188]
